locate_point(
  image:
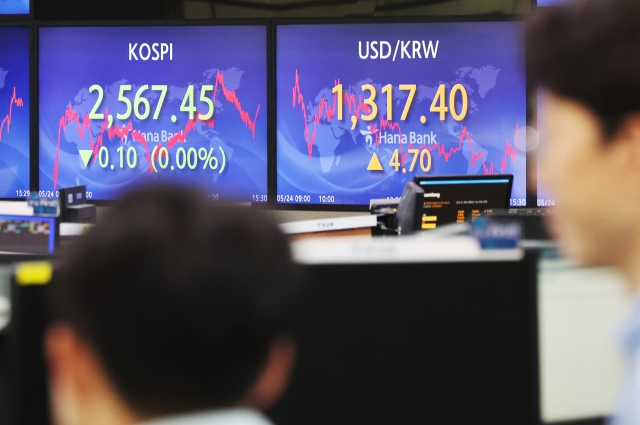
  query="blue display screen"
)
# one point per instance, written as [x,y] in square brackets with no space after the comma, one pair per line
[545,197]
[14,112]
[14,7]
[363,108]
[124,106]
[551,2]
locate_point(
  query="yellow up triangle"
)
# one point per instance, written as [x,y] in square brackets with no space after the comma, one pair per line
[374,164]
[85,154]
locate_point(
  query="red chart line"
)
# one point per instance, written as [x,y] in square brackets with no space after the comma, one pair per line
[509,152]
[123,133]
[325,111]
[357,107]
[15,100]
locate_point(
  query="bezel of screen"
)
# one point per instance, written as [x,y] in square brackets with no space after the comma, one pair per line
[35,171]
[29,27]
[19,16]
[530,192]
[53,223]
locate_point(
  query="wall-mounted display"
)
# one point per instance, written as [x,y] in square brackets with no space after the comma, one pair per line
[121,106]
[363,108]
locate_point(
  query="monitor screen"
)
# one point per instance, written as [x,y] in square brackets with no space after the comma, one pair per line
[124,106]
[542,3]
[457,199]
[27,235]
[14,7]
[14,112]
[363,108]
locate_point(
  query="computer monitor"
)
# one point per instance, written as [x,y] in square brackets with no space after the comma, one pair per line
[122,106]
[27,234]
[457,199]
[14,110]
[362,108]
[415,343]
[15,7]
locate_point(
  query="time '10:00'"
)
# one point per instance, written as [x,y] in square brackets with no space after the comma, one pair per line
[305,199]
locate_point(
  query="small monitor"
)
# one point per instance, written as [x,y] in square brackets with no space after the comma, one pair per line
[27,234]
[74,207]
[457,199]
[125,106]
[72,196]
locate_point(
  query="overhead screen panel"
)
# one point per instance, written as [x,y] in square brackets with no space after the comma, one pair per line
[450,98]
[14,7]
[14,112]
[124,106]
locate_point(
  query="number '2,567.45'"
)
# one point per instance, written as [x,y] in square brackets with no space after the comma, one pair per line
[141,106]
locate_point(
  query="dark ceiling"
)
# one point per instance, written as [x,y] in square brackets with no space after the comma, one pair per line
[227,9]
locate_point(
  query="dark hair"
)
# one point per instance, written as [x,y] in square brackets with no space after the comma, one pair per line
[179,298]
[589,51]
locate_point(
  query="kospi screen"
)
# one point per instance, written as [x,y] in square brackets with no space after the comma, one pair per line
[14,7]
[14,112]
[363,108]
[125,106]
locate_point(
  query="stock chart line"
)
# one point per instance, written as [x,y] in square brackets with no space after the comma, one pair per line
[230,96]
[71,116]
[15,100]
[509,152]
[356,106]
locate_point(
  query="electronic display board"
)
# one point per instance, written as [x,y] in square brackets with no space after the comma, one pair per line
[14,112]
[15,7]
[363,108]
[121,106]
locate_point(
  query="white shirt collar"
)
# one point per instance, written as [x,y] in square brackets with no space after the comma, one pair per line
[233,416]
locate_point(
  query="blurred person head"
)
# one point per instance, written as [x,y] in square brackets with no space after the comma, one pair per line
[585,57]
[170,305]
